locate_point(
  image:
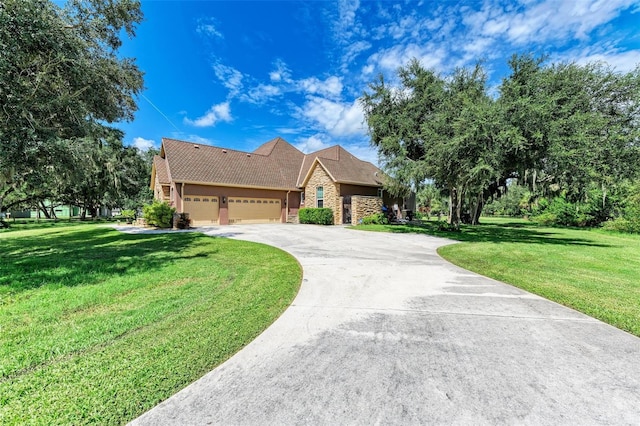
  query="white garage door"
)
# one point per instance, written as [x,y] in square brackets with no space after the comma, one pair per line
[254,210]
[202,210]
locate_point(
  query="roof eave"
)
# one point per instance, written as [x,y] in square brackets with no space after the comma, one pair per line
[231,185]
[373,185]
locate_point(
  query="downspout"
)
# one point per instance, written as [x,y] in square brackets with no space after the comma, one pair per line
[286,216]
[182,197]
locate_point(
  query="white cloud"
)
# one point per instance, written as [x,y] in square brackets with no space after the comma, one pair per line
[143,144]
[352,51]
[337,118]
[368,70]
[230,78]
[363,151]
[542,21]
[261,93]
[207,27]
[479,45]
[216,113]
[281,73]
[332,86]
[620,61]
[431,56]
[312,143]
[346,25]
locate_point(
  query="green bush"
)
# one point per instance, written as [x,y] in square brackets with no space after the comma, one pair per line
[127,215]
[447,227]
[375,219]
[546,219]
[159,214]
[318,216]
[622,224]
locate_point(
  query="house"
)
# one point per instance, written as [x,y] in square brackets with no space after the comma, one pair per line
[224,186]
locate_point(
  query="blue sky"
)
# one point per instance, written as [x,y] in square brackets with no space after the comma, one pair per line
[239,73]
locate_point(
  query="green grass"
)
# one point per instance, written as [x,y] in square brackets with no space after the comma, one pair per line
[97,326]
[592,271]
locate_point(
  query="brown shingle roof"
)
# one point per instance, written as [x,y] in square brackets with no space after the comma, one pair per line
[160,165]
[275,164]
[197,163]
[342,166]
[286,157]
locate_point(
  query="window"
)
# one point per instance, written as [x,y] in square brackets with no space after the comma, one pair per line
[259,201]
[319,197]
[302,198]
[245,201]
[196,199]
[214,200]
[252,201]
[187,199]
[205,200]
[231,201]
[380,192]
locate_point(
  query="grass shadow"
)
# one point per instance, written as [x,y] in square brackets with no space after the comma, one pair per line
[506,232]
[81,256]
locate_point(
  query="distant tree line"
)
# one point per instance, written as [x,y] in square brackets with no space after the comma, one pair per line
[564,137]
[62,85]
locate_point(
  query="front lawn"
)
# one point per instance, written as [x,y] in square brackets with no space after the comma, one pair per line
[592,271]
[97,326]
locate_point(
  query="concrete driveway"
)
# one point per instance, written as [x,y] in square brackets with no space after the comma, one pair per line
[384,331]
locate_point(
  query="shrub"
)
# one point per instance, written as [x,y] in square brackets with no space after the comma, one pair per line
[319,216]
[375,219]
[622,224]
[181,221]
[159,214]
[546,219]
[128,215]
[447,227]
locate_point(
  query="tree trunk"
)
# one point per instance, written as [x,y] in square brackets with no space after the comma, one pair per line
[455,204]
[44,210]
[477,210]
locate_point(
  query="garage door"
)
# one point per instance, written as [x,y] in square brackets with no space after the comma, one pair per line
[254,210]
[202,210]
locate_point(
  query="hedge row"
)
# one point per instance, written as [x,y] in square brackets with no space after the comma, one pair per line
[319,216]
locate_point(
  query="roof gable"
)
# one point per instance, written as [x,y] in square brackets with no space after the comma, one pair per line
[342,166]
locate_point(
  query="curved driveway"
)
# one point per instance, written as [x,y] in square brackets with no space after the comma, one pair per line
[384,331]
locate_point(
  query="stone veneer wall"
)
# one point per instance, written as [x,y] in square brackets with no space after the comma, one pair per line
[362,206]
[330,193]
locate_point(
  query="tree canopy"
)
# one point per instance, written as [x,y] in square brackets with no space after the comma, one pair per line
[63,85]
[568,125]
